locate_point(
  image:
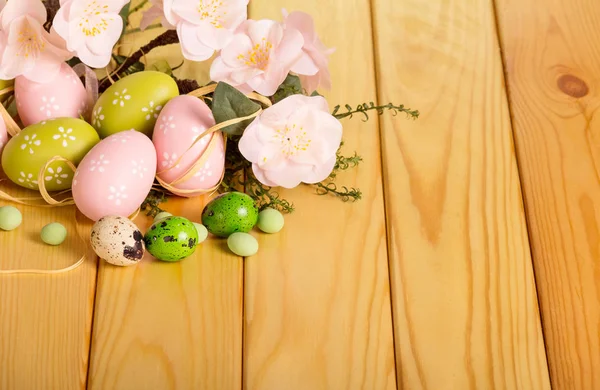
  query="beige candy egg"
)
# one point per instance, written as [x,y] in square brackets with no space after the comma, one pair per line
[118,241]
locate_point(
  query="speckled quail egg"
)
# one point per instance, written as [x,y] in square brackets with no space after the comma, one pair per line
[118,241]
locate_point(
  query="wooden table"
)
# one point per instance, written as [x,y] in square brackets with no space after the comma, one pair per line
[472,262]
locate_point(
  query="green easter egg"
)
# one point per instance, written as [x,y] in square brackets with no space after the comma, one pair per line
[53,234]
[230,213]
[133,102]
[10,218]
[202,232]
[270,221]
[27,152]
[162,215]
[242,244]
[171,239]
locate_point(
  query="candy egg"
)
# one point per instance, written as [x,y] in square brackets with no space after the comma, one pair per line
[116,176]
[179,124]
[26,153]
[270,221]
[117,240]
[10,218]
[133,102]
[63,96]
[230,213]
[171,239]
[53,234]
[242,244]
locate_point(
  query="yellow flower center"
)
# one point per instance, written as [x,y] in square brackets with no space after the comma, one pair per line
[93,23]
[293,140]
[30,43]
[209,10]
[258,56]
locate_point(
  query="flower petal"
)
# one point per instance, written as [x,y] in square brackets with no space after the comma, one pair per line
[305,66]
[191,47]
[261,177]
[17,8]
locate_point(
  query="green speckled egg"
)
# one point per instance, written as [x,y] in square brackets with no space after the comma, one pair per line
[27,152]
[133,102]
[171,239]
[230,213]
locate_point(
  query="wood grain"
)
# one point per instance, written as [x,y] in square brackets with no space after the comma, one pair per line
[165,325]
[465,309]
[317,302]
[552,57]
[45,320]
[170,325]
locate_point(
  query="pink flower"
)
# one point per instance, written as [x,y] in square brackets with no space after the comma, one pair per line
[91,28]
[204,26]
[26,48]
[259,57]
[153,13]
[312,67]
[293,141]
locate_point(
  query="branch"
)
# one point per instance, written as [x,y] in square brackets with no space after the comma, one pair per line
[363,108]
[166,38]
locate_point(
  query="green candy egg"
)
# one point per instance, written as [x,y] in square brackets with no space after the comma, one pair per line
[10,218]
[53,234]
[171,239]
[242,244]
[270,221]
[230,213]
[202,232]
[133,102]
[162,215]
[27,152]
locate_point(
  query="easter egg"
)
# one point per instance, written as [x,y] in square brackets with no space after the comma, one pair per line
[171,239]
[270,221]
[63,96]
[53,233]
[116,176]
[10,218]
[180,123]
[230,213]
[133,103]
[26,153]
[117,240]
[242,244]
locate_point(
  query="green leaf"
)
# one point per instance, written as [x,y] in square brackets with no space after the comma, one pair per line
[125,15]
[315,93]
[229,103]
[162,66]
[135,67]
[290,86]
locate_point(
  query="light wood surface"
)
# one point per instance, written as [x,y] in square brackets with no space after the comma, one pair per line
[465,309]
[552,56]
[169,325]
[427,283]
[45,320]
[317,304]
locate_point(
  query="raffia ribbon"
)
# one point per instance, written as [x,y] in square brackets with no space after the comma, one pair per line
[216,135]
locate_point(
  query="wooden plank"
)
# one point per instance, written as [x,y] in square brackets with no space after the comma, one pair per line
[45,319]
[170,325]
[552,55]
[465,309]
[317,299]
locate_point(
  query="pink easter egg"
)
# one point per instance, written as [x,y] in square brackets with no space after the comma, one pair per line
[3,135]
[115,177]
[179,124]
[63,96]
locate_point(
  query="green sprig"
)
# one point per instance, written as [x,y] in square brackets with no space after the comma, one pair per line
[151,205]
[365,107]
[344,193]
